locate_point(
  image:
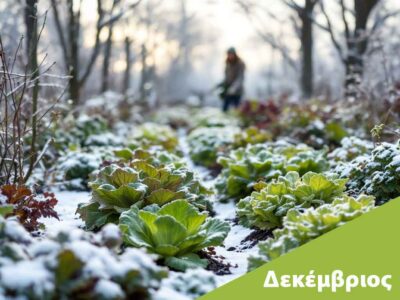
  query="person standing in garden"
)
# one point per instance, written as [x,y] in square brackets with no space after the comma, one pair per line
[232,86]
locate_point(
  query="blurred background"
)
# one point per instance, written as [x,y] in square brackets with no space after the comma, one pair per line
[173,51]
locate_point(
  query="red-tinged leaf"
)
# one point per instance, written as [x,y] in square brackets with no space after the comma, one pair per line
[29,207]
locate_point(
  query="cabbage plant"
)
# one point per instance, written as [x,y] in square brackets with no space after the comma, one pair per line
[151,134]
[266,208]
[244,167]
[139,183]
[251,135]
[176,231]
[205,143]
[300,227]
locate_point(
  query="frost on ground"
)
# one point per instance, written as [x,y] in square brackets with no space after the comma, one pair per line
[66,207]
[233,251]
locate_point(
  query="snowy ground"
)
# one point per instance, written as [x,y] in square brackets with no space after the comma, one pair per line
[68,202]
[66,207]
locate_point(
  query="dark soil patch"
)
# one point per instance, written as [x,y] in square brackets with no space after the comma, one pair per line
[234,221]
[254,237]
[215,170]
[216,263]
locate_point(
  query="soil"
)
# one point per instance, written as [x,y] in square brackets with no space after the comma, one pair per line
[255,236]
[216,263]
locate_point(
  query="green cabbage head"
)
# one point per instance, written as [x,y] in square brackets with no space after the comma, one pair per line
[176,231]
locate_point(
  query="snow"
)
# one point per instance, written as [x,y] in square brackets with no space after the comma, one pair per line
[3,199]
[108,290]
[43,247]
[20,276]
[190,285]
[16,232]
[110,232]
[66,207]
[237,257]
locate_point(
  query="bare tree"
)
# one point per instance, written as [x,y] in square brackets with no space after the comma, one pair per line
[107,54]
[31,23]
[70,44]
[128,68]
[357,35]
[302,17]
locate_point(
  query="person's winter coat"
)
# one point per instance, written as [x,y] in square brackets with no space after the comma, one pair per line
[234,78]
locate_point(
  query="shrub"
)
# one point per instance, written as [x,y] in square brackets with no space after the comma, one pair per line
[377,174]
[300,227]
[267,208]
[175,231]
[351,148]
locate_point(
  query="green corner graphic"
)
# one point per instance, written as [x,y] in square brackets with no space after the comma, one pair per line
[369,245]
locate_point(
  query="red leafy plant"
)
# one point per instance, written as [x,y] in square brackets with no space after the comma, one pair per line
[259,113]
[27,206]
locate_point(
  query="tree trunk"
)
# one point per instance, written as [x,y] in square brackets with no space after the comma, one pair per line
[106,61]
[33,70]
[144,73]
[357,46]
[307,49]
[363,9]
[73,42]
[127,73]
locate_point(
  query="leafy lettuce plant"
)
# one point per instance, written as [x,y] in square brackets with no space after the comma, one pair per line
[377,174]
[251,135]
[244,167]
[212,117]
[267,208]
[176,231]
[205,143]
[300,227]
[140,183]
[150,135]
[155,157]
